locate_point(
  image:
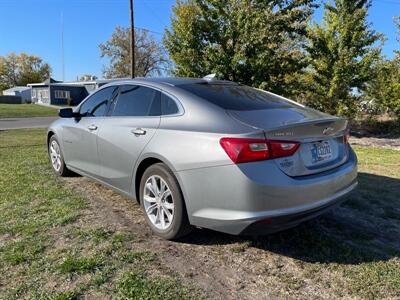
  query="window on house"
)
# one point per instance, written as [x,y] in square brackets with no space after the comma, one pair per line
[33,93]
[62,94]
[43,94]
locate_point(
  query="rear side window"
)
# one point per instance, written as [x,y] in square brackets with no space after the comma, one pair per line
[168,105]
[235,97]
[137,101]
[97,104]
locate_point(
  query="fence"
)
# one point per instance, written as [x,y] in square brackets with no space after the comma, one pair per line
[11,99]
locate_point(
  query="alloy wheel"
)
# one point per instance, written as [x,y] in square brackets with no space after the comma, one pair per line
[158,202]
[55,155]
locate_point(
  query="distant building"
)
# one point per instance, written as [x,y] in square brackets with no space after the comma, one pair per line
[21,91]
[64,93]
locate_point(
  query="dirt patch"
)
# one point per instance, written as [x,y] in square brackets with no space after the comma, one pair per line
[230,267]
[210,267]
[388,143]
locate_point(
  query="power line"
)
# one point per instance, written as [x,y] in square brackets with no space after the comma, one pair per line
[154,14]
[148,30]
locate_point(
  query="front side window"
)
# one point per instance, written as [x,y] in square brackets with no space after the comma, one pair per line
[168,105]
[137,101]
[97,104]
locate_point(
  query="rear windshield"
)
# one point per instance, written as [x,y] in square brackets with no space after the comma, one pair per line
[235,97]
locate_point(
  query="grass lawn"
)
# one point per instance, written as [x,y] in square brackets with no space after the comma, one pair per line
[49,248]
[26,111]
[45,250]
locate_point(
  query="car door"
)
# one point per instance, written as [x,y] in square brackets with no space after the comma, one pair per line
[133,119]
[80,137]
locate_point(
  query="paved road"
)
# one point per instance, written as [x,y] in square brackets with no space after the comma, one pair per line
[16,123]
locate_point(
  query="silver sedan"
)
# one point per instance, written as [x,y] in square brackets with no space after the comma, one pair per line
[207,153]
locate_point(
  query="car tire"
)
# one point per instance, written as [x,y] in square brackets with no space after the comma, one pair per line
[179,226]
[54,149]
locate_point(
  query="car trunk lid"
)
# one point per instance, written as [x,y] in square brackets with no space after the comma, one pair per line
[323,146]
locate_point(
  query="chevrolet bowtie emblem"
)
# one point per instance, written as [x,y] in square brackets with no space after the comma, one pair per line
[328,130]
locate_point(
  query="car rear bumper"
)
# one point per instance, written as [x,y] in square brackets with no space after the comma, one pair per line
[235,198]
[279,223]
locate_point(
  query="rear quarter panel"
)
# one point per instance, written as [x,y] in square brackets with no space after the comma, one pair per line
[192,140]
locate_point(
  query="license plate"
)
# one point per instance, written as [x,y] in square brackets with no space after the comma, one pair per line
[321,151]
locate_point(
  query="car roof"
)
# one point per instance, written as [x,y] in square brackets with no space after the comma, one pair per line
[173,81]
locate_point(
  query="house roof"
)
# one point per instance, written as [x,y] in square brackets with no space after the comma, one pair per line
[44,83]
[17,89]
[51,80]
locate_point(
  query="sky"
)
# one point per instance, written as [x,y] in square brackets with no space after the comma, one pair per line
[34,27]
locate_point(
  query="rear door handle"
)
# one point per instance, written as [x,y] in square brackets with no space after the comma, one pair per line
[138,131]
[92,127]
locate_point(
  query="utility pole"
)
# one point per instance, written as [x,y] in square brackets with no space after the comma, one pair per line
[132,40]
[62,46]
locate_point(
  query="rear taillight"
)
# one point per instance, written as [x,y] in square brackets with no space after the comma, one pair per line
[248,150]
[283,148]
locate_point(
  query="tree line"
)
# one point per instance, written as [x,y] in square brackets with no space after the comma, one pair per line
[21,69]
[336,65]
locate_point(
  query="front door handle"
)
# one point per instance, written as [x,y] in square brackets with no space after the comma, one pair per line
[92,127]
[138,131]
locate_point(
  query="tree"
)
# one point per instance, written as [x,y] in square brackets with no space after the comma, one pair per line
[342,52]
[254,42]
[19,70]
[149,55]
[384,88]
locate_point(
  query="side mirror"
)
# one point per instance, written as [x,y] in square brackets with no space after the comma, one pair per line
[67,113]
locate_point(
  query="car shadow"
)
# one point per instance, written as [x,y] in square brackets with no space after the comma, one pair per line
[365,228]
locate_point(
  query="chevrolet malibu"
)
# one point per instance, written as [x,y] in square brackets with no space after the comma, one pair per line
[207,153]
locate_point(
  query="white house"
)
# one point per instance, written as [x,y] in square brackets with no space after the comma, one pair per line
[22,91]
[64,93]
